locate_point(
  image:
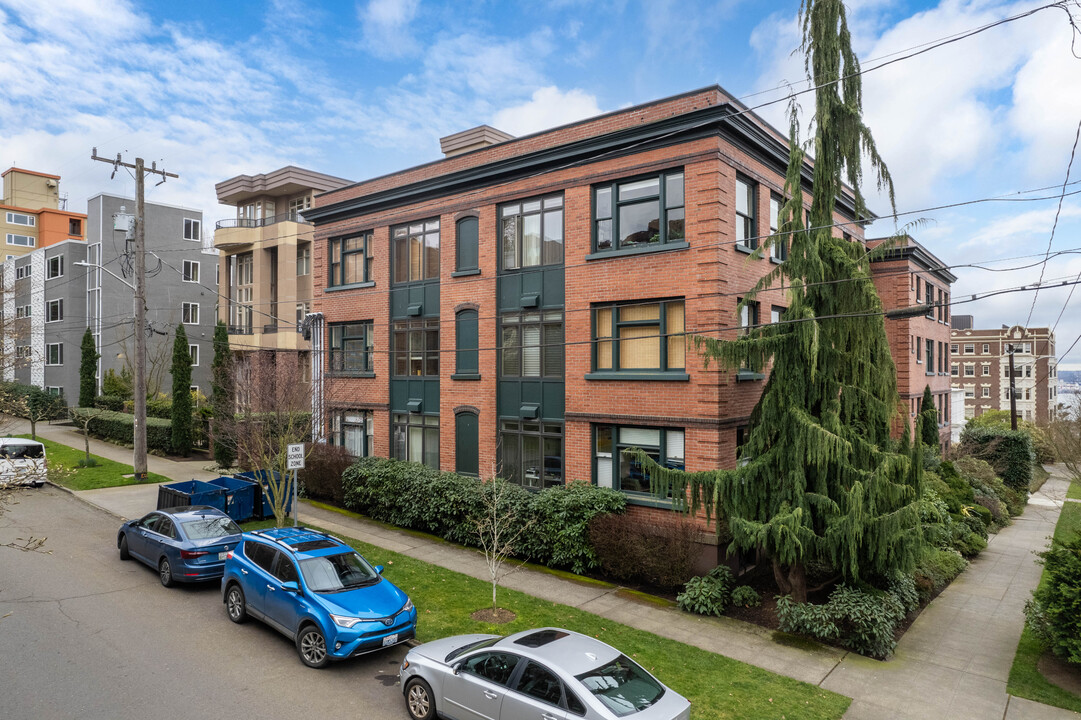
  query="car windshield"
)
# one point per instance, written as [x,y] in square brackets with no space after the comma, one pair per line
[472,646]
[622,686]
[18,452]
[335,573]
[210,527]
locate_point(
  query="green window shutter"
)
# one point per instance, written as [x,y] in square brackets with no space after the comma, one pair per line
[466,455]
[468,243]
[466,342]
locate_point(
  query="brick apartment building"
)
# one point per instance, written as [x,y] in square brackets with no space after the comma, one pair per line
[980,367]
[524,303]
[908,275]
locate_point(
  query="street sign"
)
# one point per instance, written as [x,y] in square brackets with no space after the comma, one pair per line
[294,457]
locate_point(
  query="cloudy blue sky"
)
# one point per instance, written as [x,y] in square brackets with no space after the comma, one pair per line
[358,89]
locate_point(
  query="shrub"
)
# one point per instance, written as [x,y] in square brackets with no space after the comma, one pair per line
[1054,613]
[159,408]
[708,594]
[981,476]
[660,555]
[860,620]
[937,569]
[120,428]
[115,385]
[1000,515]
[321,477]
[561,515]
[745,596]
[903,587]
[109,402]
[1008,451]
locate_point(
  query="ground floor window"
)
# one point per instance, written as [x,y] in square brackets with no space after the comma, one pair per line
[352,430]
[613,468]
[415,437]
[531,453]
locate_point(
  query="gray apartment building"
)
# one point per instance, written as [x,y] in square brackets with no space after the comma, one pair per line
[55,292]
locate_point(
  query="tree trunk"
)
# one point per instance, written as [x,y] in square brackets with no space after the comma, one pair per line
[33,428]
[792,581]
[86,440]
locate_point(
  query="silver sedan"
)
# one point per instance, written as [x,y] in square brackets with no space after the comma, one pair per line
[545,674]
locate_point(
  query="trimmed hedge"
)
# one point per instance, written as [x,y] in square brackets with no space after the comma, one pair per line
[415,496]
[120,428]
[1054,613]
[1008,451]
[109,402]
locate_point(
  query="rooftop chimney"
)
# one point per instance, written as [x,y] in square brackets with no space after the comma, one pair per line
[472,139]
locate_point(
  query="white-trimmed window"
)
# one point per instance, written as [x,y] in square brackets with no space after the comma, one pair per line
[193,388]
[20,240]
[985,392]
[54,354]
[22,311]
[986,370]
[953,369]
[54,390]
[304,260]
[970,392]
[191,271]
[22,351]
[193,229]
[193,350]
[189,313]
[970,370]
[23,271]
[986,348]
[54,311]
[15,218]
[54,267]
[297,206]
[970,349]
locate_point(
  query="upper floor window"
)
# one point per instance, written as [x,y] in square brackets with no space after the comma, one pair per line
[970,349]
[953,348]
[23,271]
[351,347]
[191,271]
[532,232]
[350,259]
[189,313]
[193,352]
[639,213]
[415,346]
[54,354]
[54,267]
[75,227]
[986,348]
[532,344]
[919,288]
[21,240]
[779,249]
[746,215]
[639,336]
[192,229]
[54,310]
[15,218]
[297,206]
[304,260]
[467,244]
[416,251]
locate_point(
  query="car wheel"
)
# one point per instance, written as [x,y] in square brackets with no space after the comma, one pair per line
[165,572]
[124,554]
[312,647]
[418,700]
[234,604]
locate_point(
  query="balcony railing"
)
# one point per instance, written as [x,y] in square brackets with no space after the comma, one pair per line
[240,330]
[260,222]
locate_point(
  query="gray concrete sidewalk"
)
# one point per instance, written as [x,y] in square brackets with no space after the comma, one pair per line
[952,663]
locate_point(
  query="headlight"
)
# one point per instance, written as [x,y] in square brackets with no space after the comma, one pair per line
[345,622]
[408,605]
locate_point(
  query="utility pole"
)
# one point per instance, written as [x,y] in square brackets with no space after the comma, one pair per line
[1013,393]
[139,441]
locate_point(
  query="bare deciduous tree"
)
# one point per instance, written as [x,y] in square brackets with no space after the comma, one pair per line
[499,530]
[1065,434]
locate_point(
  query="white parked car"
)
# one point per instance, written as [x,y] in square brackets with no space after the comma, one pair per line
[547,673]
[22,462]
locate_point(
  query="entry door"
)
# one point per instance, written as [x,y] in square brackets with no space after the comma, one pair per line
[466,454]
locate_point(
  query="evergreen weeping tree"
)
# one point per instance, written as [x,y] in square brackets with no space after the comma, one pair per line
[88,369]
[818,482]
[181,372]
[222,397]
[929,427]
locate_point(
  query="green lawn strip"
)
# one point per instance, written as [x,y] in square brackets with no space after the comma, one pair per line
[717,686]
[1039,477]
[1075,490]
[107,473]
[1025,678]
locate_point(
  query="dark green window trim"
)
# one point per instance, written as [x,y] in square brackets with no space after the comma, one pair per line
[605,434]
[531,344]
[465,273]
[351,348]
[624,375]
[340,423]
[407,431]
[540,218]
[643,250]
[465,376]
[466,343]
[466,441]
[619,206]
[415,252]
[531,453]
[351,286]
[744,249]
[350,259]
[615,315]
[467,244]
[415,348]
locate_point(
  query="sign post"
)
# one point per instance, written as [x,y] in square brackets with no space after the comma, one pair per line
[294,460]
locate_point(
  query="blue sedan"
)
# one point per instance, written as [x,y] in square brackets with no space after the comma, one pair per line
[184,544]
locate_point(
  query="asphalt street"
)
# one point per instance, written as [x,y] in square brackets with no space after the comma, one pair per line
[85,635]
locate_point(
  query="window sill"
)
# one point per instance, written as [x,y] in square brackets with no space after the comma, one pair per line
[740,247]
[346,373]
[465,376]
[465,273]
[776,261]
[643,500]
[657,376]
[747,375]
[350,286]
[930,373]
[647,250]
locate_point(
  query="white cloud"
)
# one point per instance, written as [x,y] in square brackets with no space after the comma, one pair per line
[385,25]
[548,107]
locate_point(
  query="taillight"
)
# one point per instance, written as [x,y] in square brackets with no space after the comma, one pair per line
[189,554]
[229,555]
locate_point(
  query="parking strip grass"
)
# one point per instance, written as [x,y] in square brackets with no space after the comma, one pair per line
[63,469]
[1026,680]
[718,687]
[1075,490]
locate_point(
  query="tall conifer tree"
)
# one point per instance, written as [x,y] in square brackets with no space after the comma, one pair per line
[221,399]
[88,370]
[929,428]
[818,482]
[181,414]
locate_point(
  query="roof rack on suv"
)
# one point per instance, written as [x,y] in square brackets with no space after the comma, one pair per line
[295,531]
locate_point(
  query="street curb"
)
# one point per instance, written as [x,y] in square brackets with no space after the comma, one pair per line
[86,502]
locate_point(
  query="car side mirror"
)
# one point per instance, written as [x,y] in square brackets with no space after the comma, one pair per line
[378,569]
[456,668]
[291,587]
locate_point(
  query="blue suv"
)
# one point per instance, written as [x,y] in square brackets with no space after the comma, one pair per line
[317,591]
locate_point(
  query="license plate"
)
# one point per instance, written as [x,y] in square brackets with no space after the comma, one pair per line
[390,639]
[222,556]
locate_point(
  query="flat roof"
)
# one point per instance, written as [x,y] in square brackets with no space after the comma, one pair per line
[30,172]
